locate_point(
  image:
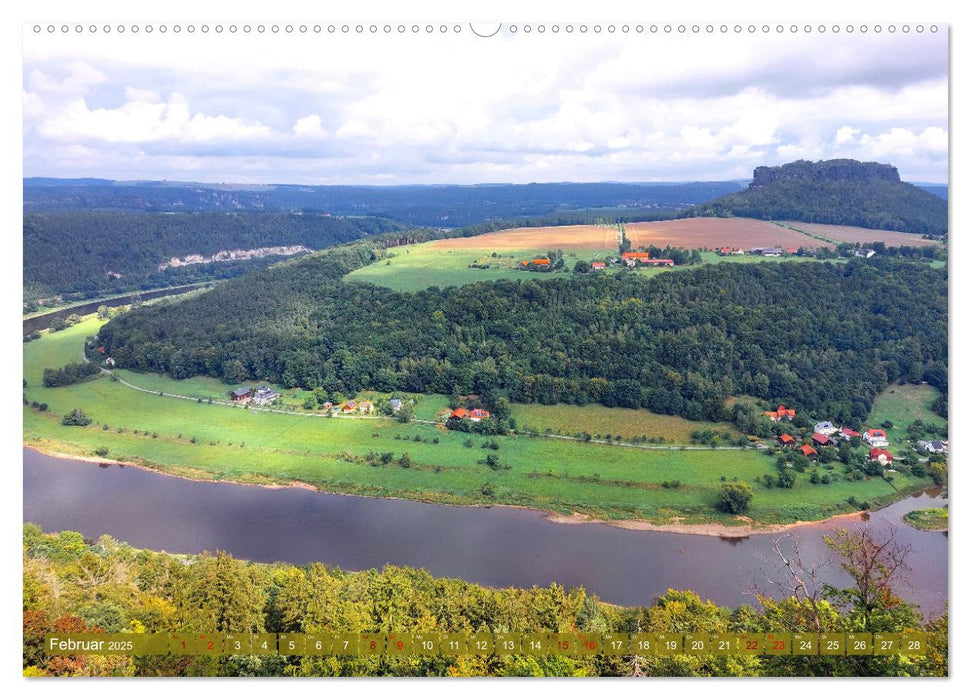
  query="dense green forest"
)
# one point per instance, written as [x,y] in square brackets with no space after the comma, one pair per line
[73,585]
[845,192]
[417,205]
[824,337]
[94,252]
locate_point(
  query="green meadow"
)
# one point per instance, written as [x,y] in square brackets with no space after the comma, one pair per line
[196,439]
[902,404]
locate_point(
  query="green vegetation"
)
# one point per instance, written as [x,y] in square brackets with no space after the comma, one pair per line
[825,338]
[928,518]
[206,440]
[416,267]
[77,253]
[626,423]
[902,404]
[847,192]
[107,586]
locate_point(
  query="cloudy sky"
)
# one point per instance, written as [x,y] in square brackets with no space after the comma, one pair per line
[332,109]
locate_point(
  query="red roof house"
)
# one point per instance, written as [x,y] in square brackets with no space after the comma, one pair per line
[880,455]
[809,451]
[477,414]
[781,413]
[787,440]
[460,413]
[821,439]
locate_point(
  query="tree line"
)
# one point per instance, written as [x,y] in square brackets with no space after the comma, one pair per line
[74,585]
[823,337]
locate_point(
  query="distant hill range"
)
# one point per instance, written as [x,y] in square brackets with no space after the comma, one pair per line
[442,206]
[846,192]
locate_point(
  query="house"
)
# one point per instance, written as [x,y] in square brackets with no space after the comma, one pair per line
[865,253]
[875,437]
[242,394]
[730,251]
[933,446]
[822,440]
[633,258]
[781,413]
[477,414]
[349,406]
[848,434]
[881,456]
[766,252]
[792,251]
[825,428]
[808,451]
[395,405]
[265,395]
[110,361]
[365,406]
[541,262]
[459,414]
[786,440]
[598,265]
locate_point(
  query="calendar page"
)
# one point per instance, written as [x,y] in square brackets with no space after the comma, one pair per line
[430,347]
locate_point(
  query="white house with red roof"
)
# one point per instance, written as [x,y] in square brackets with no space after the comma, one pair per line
[875,437]
[880,455]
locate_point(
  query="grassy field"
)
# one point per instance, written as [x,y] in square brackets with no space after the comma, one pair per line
[211,441]
[415,267]
[902,404]
[928,519]
[595,419]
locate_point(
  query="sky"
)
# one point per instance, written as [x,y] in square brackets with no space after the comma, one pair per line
[392,109]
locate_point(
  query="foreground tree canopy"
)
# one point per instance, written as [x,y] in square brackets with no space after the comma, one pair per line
[823,337]
[74,586]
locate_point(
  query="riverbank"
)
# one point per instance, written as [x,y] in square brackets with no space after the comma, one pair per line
[741,527]
[928,519]
[165,428]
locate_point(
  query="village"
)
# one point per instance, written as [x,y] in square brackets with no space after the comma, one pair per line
[826,434]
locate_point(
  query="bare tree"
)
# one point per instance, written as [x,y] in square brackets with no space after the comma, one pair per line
[796,578]
[875,560]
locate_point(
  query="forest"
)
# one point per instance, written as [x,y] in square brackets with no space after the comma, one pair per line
[87,253]
[449,206]
[75,585]
[845,192]
[820,336]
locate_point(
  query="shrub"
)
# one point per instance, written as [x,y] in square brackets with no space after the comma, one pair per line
[75,417]
[735,497]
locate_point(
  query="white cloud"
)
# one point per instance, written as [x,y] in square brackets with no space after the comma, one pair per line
[446,108]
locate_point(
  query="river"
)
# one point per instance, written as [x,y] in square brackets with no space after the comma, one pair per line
[39,323]
[494,546]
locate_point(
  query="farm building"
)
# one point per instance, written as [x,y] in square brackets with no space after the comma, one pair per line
[865,253]
[632,258]
[460,413]
[241,395]
[781,413]
[264,395]
[822,440]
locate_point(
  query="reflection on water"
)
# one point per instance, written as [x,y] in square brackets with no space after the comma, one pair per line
[492,546]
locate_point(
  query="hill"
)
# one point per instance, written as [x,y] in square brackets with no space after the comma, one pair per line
[90,253]
[417,205]
[848,192]
[678,344]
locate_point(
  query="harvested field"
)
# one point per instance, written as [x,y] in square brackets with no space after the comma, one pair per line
[543,238]
[715,233]
[854,234]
